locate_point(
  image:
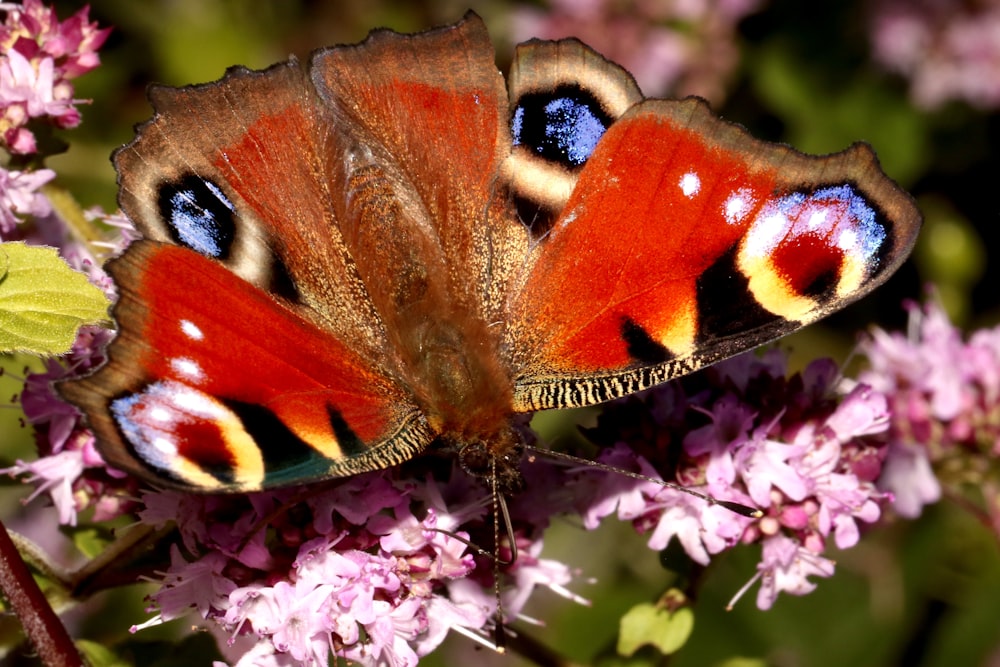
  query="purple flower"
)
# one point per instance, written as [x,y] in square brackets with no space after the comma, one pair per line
[38,56]
[948,51]
[942,392]
[28,90]
[746,433]
[19,194]
[347,569]
[786,567]
[54,475]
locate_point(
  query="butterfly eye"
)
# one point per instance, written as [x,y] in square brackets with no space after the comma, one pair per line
[562,126]
[198,215]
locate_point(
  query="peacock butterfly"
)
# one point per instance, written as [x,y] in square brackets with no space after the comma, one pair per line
[346,263]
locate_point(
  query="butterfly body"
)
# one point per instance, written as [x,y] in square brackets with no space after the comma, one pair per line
[347,262]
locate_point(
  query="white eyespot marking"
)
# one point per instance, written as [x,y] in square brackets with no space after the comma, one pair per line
[187,367]
[165,446]
[690,184]
[160,415]
[817,219]
[848,239]
[195,402]
[191,330]
[737,205]
[766,233]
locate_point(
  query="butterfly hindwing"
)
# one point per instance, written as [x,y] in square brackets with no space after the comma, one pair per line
[214,384]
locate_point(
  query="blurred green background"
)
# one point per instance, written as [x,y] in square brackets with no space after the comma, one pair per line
[913,593]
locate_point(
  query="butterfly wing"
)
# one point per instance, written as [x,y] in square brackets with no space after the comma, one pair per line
[250,353]
[678,239]
[429,113]
[349,237]
[214,384]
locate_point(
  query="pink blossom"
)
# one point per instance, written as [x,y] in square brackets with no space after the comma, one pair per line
[33,29]
[195,586]
[28,90]
[54,475]
[790,446]
[948,51]
[347,569]
[38,57]
[529,572]
[942,391]
[786,567]
[684,48]
[19,195]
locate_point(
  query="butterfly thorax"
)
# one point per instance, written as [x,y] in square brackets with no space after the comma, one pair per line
[465,394]
[434,320]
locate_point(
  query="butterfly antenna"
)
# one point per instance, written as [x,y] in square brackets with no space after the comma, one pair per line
[500,511]
[738,508]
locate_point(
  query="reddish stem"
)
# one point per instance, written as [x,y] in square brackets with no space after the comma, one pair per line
[39,620]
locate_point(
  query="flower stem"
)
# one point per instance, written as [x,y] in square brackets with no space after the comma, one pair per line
[67,208]
[43,627]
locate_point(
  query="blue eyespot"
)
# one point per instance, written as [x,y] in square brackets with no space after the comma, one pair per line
[870,234]
[199,215]
[563,126]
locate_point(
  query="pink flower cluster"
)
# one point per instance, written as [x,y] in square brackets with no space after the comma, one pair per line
[944,392]
[40,55]
[369,569]
[948,50]
[741,431]
[19,195]
[676,48]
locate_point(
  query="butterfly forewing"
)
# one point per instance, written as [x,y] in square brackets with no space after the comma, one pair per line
[709,242]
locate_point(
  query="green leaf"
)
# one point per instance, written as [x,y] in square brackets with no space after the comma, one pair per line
[653,625]
[823,113]
[90,540]
[743,662]
[98,655]
[43,301]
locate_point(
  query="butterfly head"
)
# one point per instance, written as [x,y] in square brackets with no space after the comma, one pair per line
[496,460]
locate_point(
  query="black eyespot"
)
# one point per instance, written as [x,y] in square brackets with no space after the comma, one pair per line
[562,126]
[349,442]
[641,345]
[198,215]
[725,305]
